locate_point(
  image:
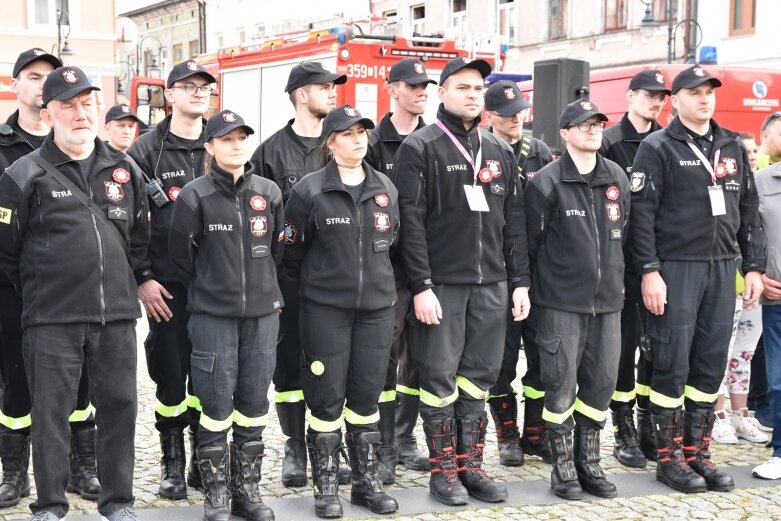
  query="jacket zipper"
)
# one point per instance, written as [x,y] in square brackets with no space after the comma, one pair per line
[100,257]
[599,253]
[475,169]
[241,258]
[359,218]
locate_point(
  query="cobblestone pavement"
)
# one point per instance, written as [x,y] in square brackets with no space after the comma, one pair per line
[743,504]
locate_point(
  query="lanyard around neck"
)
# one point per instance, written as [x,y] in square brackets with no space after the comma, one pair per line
[478,157]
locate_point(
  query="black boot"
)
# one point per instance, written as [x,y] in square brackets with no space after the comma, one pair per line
[590,475]
[645,434]
[563,476]
[387,450]
[15,454]
[504,410]
[367,488]
[534,440]
[292,421]
[244,478]
[625,447]
[172,464]
[324,448]
[83,478]
[213,466]
[671,468]
[406,446]
[193,474]
[697,427]
[444,484]
[471,441]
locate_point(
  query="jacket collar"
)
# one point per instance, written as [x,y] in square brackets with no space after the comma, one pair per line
[105,156]
[630,133]
[569,172]
[372,185]
[223,180]
[9,131]
[295,137]
[163,129]
[677,131]
[455,123]
[387,131]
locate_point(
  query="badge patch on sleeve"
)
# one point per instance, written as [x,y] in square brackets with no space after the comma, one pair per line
[5,215]
[637,181]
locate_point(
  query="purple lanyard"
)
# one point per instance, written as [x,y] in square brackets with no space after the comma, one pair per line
[460,147]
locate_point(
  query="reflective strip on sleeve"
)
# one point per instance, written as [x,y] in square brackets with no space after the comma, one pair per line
[643,390]
[698,396]
[319,425]
[171,411]
[665,401]
[15,424]
[589,411]
[81,415]
[531,392]
[432,400]
[213,425]
[624,397]
[387,396]
[246,421]
[470,388]
[289,396]
[354,418]
[495,396]
[555,417]
[403,389]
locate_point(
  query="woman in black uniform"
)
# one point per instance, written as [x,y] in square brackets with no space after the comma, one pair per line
[340,224]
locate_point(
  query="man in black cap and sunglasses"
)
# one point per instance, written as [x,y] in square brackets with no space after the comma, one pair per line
[170,156]
[694,212]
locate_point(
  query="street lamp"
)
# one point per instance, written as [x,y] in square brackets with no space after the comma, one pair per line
[648,25]
[131,71]
[63,50]
[154,67]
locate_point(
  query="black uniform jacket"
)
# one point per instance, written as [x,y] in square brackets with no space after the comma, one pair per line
[384,142]
[285,159]
[620,143]
[537,156]
[226,240]
[576,231]
[162,156]
[444,242]
[338,249]
[69,267]
[671,211]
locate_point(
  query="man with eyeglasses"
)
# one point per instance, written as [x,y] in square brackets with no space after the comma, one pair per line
[576,213]
[645,97]
[506,110]
[770,138]
[695,211]
[170,156]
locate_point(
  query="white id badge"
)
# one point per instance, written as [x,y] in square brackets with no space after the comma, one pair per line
[717,205]
[476,198]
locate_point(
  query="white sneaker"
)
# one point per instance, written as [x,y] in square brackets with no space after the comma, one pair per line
[747,428]
[771,469]
[723,431]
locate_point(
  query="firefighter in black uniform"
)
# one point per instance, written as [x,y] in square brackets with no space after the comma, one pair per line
[286,157]
[227,216]
[695,211]
[73,232]
[457,189]
[506,110]
[645,97]
[23,132]
[399,401]
[341,222]
[578,204]
[170,156]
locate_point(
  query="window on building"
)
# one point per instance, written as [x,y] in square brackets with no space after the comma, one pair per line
[507,20]
[742,17]
[557,21]
[195,48]
[178,53]
[260,30]
[45,11]
[661,7]
[615,15]
[220,40]
[418,16]
[458,19]
[242,36]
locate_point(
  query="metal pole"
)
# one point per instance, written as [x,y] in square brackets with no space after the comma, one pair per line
[59,34]
[669,31]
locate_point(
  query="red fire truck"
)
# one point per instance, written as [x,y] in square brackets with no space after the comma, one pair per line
[252,77]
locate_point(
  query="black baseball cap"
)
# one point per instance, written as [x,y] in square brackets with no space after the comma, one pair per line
[579,111]
[64,83]
[692,78]
[409,70]
[121,111]
[311,73]
[505,98]
[650,80]
[33,55]
[224,122]
[453,66]
[342,118]
[186,69]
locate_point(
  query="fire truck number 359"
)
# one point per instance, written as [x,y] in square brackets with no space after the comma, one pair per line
[361,70]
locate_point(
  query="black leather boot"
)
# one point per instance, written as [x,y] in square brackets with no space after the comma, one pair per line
[213,466]
[471,441]
[244,478]
[193,474]
[15,454]
[697,427]
[504,410]
[671,468]
[172,464]
[83,477]
[645,434]
[406,446]
[534,441]
[367,488]
[563,476]
[625,448]
[292,418]
[387,450]
[444,484]
[590,475]
[324,448]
